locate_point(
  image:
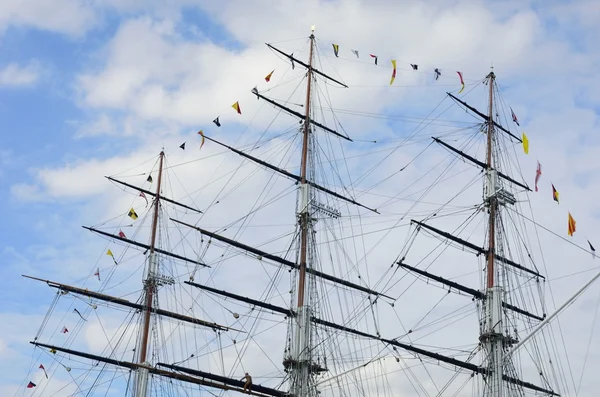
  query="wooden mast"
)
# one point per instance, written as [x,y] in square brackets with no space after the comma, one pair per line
[493,201]
[149,282]
[304,214]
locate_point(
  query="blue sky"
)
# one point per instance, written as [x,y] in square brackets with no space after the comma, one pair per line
[90,88]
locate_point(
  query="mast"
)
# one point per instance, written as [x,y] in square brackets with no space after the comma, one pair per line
[301,354]
[492,335]
[150,284]
[303,214]
[492,201]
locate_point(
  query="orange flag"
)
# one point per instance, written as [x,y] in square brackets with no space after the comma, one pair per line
[572,225]
[237,108]
[268,77]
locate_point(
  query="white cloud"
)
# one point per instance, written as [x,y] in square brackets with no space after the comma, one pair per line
[63,16]
[15,75]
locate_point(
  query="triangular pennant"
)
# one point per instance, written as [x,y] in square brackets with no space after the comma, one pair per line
[592,249]
[462,82]
[31,385]
[217,122]
[201,133]
[149,179]
[237,108]
[437,72]
[142,195]
[182,146]
[414,66]
[336,49]
[555,194]
[393,72]
[538,174]
[375,57]
[43,369]
[268,77]
[77,311]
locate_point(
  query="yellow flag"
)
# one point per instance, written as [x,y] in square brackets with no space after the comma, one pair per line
[525,144]
[237,108]
[393,72]
[132,214]
[109,253]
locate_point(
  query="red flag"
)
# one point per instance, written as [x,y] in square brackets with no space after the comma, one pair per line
[31,385]
[44,369]
[538,174]
[97,274]
[64,330]
[374,56]
[121,234]
[462,82]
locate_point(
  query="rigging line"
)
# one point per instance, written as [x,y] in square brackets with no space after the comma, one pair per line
[237,169]
[465,315]
[403,168]
[429,188]
[589,344]
[430,310]
[402,218]
[245,219]
[398,117]
[139,165]
[574,274]
[442,243]
[256,206]
[414,132]
[553,233]
[412,71]
[320,63]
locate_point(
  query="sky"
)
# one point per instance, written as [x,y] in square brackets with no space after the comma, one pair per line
[95,88]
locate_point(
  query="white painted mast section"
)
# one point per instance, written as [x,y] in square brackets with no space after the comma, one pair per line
[492,337]
[301,354]
[550,317]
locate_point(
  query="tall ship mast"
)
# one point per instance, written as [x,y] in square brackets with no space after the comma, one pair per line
[328,295]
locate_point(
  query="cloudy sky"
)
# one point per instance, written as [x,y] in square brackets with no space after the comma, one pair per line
[95,88]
